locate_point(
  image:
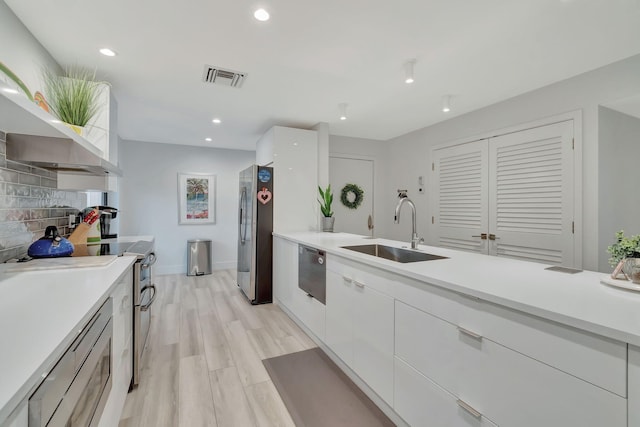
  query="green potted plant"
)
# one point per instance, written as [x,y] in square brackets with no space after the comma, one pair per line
[74,96]
[326,198]
[625,256]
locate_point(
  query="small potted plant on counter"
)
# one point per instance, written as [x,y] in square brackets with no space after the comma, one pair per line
[326,197]
[625,256]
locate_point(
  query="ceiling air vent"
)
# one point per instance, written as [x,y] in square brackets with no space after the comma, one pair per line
[223,77]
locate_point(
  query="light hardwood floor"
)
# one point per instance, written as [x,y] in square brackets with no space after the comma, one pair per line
[203,361]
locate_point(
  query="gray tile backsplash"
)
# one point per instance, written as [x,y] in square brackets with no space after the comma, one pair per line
[29,202]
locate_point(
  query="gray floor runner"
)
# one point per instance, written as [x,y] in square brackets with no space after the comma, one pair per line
[318,394]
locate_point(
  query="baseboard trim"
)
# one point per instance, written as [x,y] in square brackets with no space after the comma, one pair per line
[163,270]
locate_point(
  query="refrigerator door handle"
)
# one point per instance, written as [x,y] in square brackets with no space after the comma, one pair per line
[243,207]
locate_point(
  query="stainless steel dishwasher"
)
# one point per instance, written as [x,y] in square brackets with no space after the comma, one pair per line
[312,272]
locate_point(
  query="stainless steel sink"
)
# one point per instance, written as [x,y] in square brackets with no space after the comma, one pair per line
[393,253]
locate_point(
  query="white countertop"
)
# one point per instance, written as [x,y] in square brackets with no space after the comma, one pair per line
[40,312]
[578,300]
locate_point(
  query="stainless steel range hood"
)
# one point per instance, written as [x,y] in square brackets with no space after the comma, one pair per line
[59,154]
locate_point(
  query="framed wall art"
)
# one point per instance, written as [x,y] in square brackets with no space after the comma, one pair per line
[196,198]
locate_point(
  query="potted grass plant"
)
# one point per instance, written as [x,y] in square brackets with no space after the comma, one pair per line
[326,198]
[74,96]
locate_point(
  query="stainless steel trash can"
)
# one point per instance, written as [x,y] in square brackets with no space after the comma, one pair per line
[198,257]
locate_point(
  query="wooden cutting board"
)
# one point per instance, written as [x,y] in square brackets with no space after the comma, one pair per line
[62,262]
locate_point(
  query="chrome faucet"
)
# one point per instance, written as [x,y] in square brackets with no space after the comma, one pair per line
[414,234]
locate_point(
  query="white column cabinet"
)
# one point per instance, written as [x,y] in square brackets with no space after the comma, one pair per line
[293,154]
[360,323]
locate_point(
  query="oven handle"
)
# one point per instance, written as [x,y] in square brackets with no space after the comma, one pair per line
[153,296]
[152,260]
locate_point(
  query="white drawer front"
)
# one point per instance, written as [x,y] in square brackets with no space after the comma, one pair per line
[373,315]
[421,402]
[508,387]
[310,311]
[374,278]
[591,357]
[339,316]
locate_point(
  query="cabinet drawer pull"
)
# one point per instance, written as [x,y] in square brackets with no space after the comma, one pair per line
[346,279]
[358,284]
[470,333]
[464,405]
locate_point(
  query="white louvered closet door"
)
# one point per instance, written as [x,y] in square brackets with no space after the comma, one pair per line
[531,202]
[460,185]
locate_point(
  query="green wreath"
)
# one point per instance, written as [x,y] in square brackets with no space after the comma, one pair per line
[358,195]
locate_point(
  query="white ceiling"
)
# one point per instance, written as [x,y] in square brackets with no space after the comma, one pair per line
[313,55]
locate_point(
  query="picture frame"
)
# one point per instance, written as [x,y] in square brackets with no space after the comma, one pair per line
[196,198]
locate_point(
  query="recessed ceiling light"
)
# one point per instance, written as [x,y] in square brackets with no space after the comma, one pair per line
[446,103]
[261,15]
[216,121]
[107,52]
[9,90]
[343,111]
[408,71]
[208,139]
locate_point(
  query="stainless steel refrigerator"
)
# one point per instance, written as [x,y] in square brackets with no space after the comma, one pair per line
[254,233]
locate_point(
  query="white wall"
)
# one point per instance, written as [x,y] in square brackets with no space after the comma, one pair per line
[618,193]
[409,154]
[367,149]
[21,52]
[149,199]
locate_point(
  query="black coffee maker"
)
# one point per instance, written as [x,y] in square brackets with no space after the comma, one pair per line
[107,214]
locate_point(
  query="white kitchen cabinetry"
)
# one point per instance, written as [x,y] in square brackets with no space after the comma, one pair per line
[421,402]
[293,154]
[121,349]
[285,270]
[445,358]
[339,323]
[504,385]
[307,309]
[360,322]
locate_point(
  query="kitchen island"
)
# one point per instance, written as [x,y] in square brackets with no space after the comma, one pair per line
[41,312]
[494,340]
